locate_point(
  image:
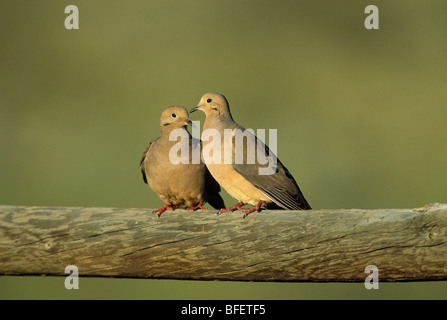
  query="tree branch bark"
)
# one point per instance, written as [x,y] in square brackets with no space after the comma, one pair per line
[314,246]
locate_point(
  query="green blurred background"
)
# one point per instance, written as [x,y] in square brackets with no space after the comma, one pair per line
[361,114]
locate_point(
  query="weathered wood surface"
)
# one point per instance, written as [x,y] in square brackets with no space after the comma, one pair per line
[318,245]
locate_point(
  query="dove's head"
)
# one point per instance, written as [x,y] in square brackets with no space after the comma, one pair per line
[214,105]
[174,117]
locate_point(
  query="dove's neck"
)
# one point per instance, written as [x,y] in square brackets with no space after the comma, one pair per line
[218,121]
[177,133]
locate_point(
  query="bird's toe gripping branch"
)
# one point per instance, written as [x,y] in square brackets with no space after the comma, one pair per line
[163,209]
[197,207]
[257,208]
[231,209]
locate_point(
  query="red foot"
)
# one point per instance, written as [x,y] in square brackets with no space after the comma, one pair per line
[163,209]
[257,208]
[233,208]
[197,207]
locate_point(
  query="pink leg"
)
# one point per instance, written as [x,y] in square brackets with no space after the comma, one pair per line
[257,208]
[197,207]
[233,208]
[163,209]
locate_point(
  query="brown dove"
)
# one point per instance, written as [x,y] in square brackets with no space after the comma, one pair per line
[243,180]
[179,181]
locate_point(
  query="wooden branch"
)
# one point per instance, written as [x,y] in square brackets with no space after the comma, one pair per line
[318,245]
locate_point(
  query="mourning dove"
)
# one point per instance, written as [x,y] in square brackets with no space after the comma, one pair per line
[243,181]
[186,184]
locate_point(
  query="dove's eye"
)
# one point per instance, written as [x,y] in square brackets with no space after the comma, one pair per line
[209,100]
[174,115]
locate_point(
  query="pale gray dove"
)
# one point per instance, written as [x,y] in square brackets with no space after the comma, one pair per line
[243,180]
[179,182]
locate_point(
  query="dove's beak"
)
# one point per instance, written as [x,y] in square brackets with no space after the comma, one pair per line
[195,108]
[189,123]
